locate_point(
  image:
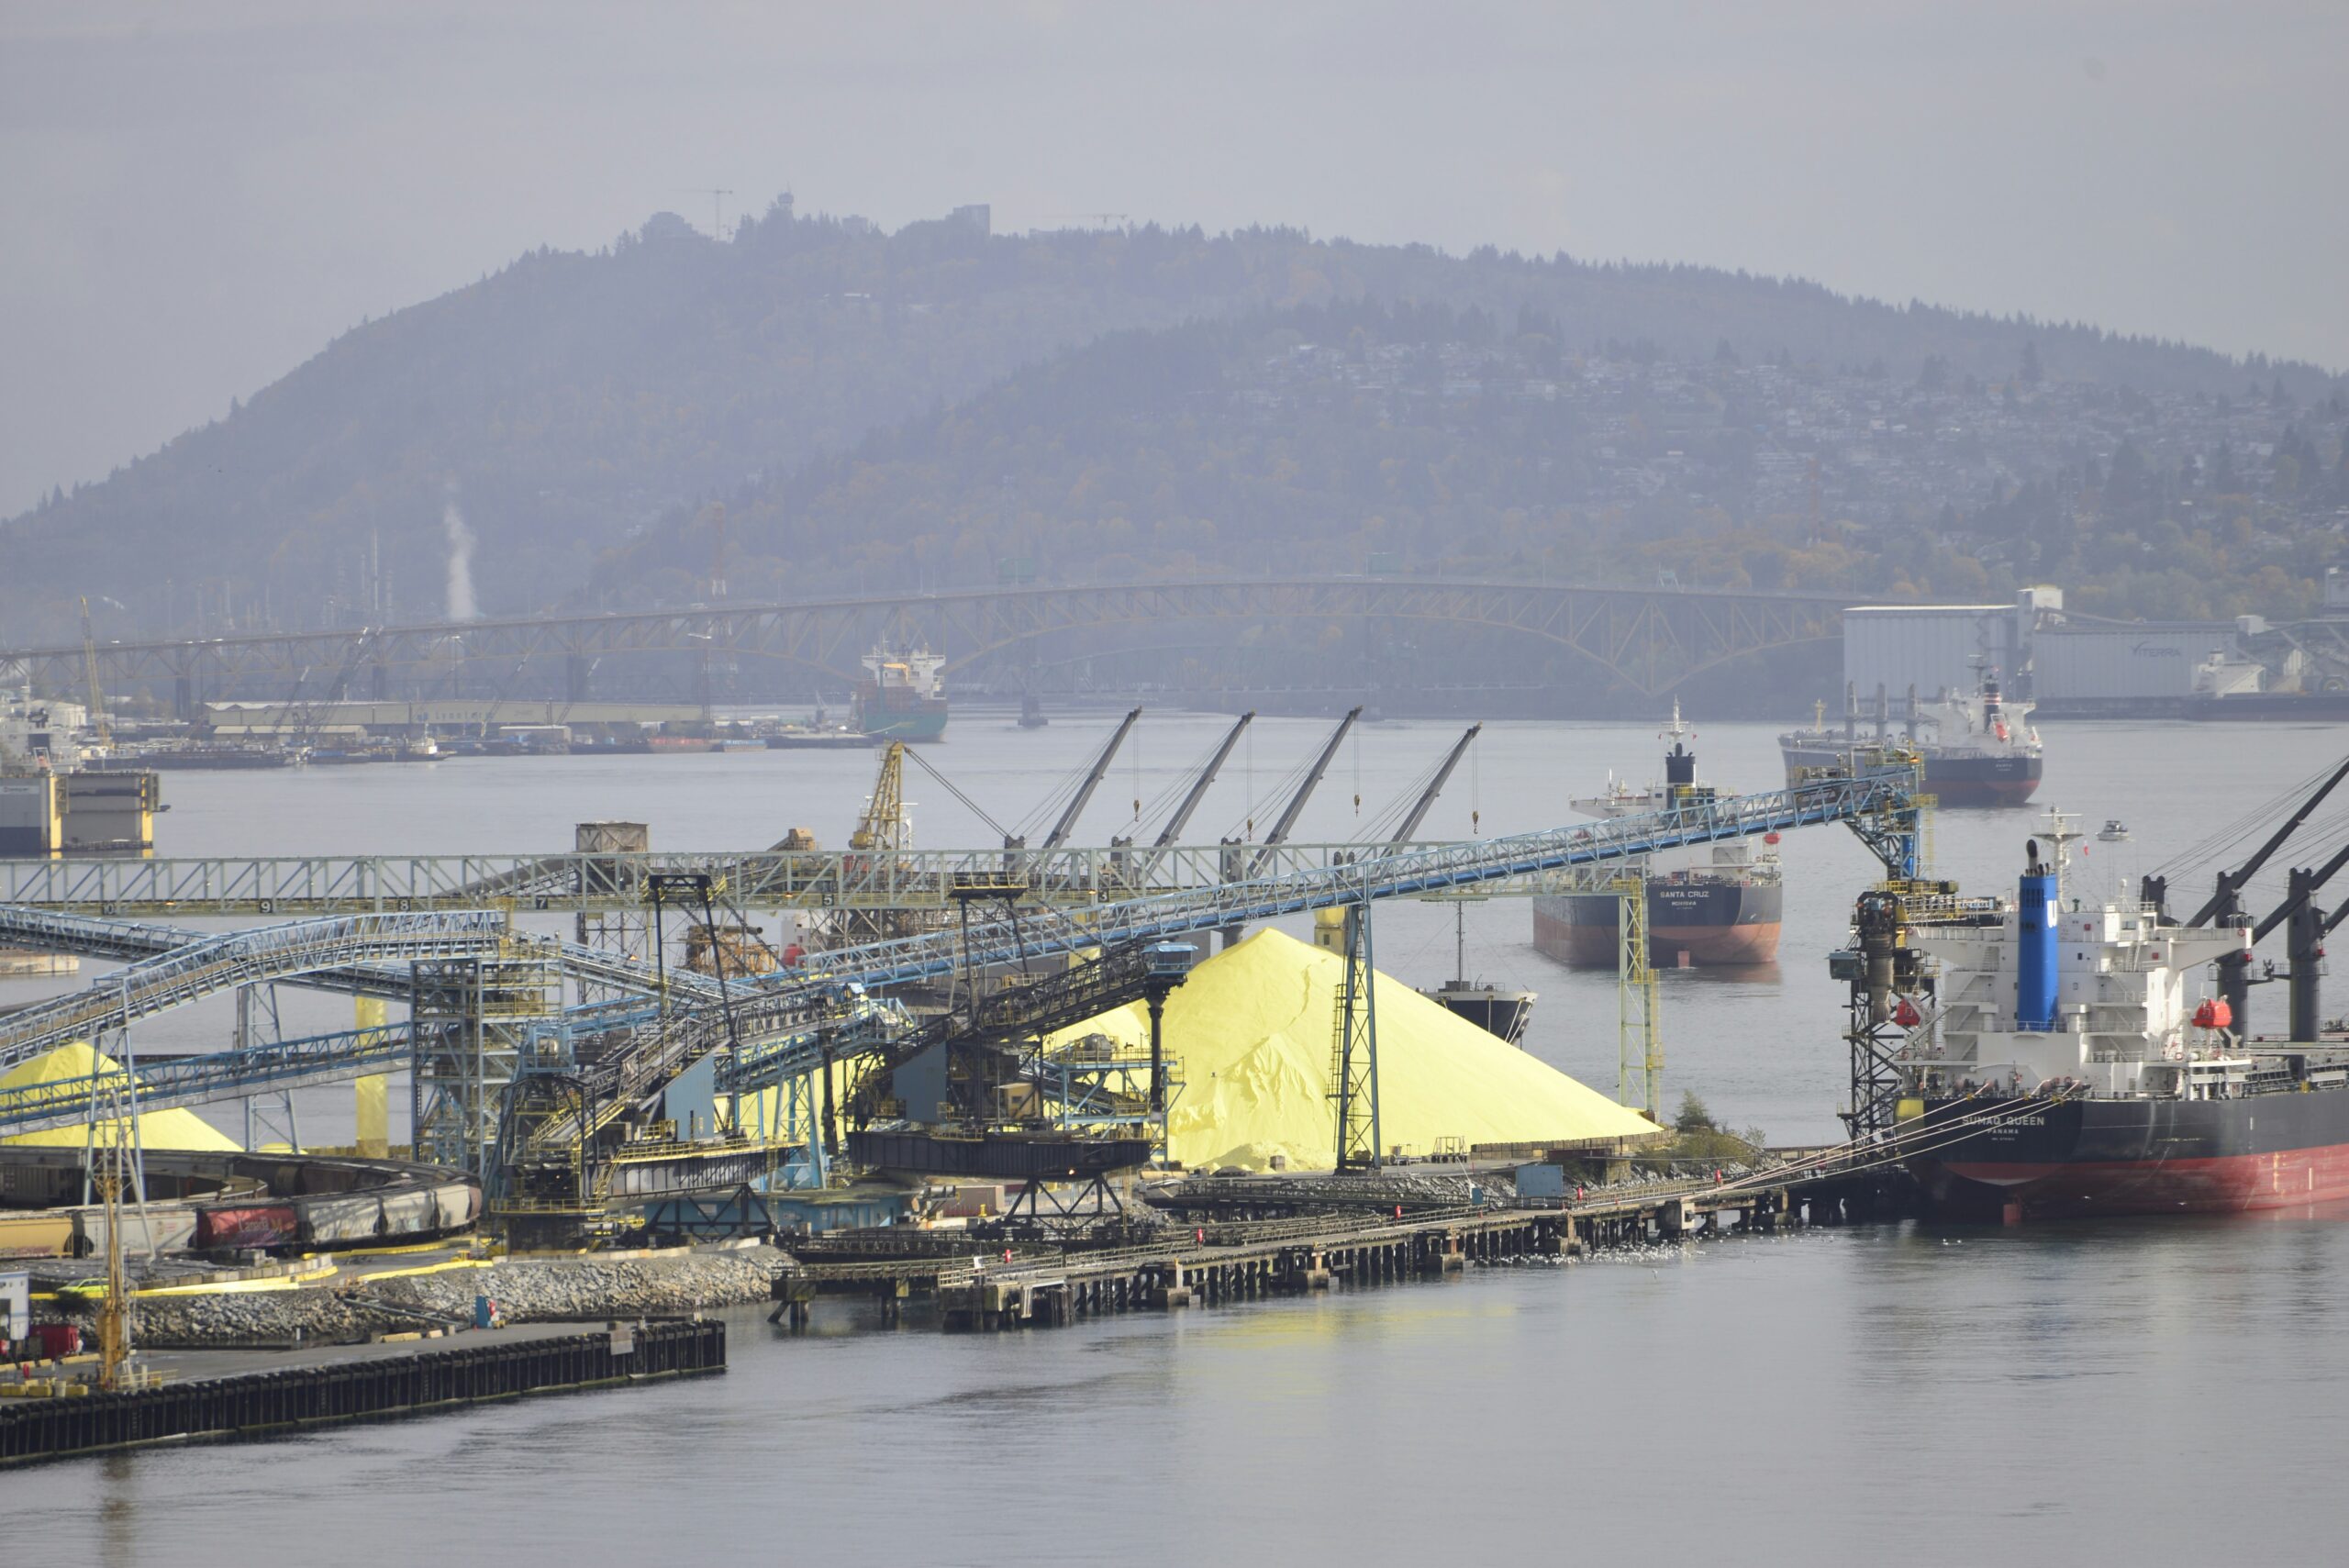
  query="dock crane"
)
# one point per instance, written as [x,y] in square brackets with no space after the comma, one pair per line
[308,711]
[1286,822]
[1420,808]
[884,826]
[1066,823]
[1198,791]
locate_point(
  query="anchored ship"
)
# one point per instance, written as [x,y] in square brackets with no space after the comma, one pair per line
[1720,904]
[2069,1069]
[900,696]
[1979,750]
[1497,1009]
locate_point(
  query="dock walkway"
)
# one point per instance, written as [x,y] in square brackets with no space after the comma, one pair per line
[1213,1265]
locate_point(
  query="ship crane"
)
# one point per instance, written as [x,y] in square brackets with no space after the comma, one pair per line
[2224,905]
[2304,923]
[1198,791]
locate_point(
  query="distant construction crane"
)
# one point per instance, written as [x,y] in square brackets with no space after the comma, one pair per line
[90,673]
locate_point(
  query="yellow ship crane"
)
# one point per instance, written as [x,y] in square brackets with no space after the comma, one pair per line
[90,673]
[883,825]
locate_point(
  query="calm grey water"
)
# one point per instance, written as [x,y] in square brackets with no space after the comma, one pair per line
[2156,1392]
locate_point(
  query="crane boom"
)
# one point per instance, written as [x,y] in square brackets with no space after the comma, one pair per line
[2301,893]
[1295,807]
[1083,797]
[2232,882]
[1420,807]
[1198,791]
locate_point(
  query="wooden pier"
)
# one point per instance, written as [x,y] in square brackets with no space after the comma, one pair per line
[1217,1265]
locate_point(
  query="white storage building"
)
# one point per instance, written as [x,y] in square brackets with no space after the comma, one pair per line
[2111,663]
[1931,647]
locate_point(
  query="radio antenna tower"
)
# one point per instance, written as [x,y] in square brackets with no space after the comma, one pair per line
[717,195]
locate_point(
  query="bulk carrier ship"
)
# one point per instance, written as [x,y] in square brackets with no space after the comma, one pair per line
[900,696]
[1722,908]
[2072,1073]
[1981,750]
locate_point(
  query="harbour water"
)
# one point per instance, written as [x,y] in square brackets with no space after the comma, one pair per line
[1891,1393]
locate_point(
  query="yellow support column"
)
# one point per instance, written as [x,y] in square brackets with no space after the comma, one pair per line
[372,1093]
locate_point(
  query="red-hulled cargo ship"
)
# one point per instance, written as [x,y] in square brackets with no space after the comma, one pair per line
[2068,1072]
[1977,750]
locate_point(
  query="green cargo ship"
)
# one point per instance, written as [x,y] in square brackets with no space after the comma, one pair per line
[900,696]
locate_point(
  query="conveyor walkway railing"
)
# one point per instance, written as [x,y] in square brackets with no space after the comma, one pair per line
[91,936]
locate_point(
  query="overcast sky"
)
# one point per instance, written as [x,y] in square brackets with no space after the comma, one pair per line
[198,195]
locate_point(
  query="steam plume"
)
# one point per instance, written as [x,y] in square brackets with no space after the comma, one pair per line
[461,563]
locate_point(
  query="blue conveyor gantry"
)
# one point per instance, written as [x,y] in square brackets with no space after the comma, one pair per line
[791,1021]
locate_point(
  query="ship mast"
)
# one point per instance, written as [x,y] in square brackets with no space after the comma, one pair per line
[2059,833]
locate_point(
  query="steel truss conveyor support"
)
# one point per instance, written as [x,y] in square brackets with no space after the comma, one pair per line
[1033,1009]
[130,941]
[875,880]
[222,962]
[169,1082]
[1878,805]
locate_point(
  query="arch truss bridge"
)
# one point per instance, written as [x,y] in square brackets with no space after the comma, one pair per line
[1645,641]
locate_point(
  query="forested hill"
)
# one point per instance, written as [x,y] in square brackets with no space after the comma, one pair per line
[577,408]
[1423,439]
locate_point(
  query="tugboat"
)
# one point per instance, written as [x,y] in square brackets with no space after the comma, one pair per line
[1720,904]
[2070,1071]
[1981,750]
[1491,1008]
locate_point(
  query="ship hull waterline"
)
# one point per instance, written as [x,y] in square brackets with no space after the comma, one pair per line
[2087,1158]
[1962,782]
[1703,925]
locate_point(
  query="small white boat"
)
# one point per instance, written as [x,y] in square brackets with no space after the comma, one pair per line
[2115,831]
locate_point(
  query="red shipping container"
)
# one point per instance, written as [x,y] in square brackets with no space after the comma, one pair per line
[58,1341]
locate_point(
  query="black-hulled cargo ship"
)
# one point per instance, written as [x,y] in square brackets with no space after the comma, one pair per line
[1977,750]
[2068,1074]
[1497,1009]
[1721,905]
